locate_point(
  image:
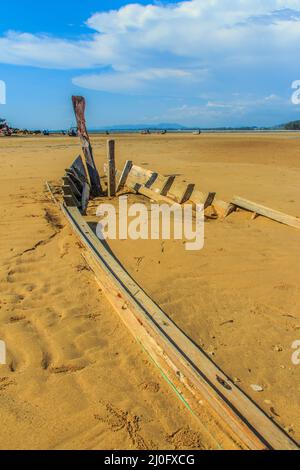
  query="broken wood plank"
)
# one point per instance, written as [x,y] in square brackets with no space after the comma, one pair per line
[79,169]
[152,195]
[259,209]
[85,197]
[151,180]
[71,201]
[222,208]
[187,194]
[124,175]
[71,198]
[79,110]
[189,363]
[111,170]
[69,182]
[167,185]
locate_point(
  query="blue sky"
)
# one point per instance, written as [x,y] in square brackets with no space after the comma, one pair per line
[195,62]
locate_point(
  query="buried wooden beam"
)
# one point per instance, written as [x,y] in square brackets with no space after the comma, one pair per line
[79,110]
[111,170]
[259,209]
[179,358]
[124,175]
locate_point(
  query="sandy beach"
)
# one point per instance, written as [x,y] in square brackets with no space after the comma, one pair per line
[75,378]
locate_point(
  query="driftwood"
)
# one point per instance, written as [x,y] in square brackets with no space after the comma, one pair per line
[79,110]
[111,168]
[264,211]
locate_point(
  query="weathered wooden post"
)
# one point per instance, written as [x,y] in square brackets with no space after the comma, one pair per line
[124,175]
[111,168]
[79,110]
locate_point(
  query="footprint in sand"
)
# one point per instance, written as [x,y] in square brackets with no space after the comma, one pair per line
[119,420]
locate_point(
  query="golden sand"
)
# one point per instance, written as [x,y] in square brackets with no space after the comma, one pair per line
[75,378]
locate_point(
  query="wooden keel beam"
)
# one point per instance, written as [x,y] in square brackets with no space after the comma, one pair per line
[188,362]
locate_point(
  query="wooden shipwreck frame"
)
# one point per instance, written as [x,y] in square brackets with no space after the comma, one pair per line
[186,367]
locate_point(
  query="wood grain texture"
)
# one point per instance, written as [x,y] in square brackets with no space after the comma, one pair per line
[195,369]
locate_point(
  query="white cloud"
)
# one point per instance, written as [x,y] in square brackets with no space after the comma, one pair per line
[139,46]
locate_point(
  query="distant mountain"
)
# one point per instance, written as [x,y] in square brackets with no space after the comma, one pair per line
[291,126]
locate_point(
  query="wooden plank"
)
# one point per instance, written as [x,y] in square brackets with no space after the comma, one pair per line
[71,174]
[151,180]
[196,370]
[111,168]
[266,212]
[69,182]
[71,198]
[85,197]
[79,169]
[79,110]
[124,175]
[49,189]
[187,194]
[222,208]
[152,195]
[71,201]
[167,185]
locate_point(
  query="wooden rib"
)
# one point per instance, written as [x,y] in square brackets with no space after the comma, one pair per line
[111,170]
[168,187]
[71,201]
[151,194]
[266,212]
[124,175]
[189,362]
[79,110]
[222,208]
[69,182]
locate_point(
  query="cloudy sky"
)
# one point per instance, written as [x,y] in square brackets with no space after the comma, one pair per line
[195,62]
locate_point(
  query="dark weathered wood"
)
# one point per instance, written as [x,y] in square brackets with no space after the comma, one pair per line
[167,185]
[111,171]
[69,182]
[79,110]
[187,194]
[73,176]
[85,197]
[79,169]
[71,201]
[124,175]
